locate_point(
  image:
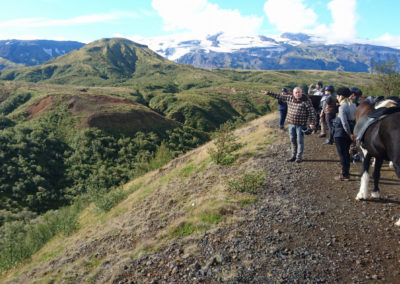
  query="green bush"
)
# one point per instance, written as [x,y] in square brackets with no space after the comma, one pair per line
[5,122]
[19,240]
[224,145]
[11,103]
[249,182]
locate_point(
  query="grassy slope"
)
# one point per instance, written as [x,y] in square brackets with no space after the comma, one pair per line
[200,98]
[182,200]
[7,64]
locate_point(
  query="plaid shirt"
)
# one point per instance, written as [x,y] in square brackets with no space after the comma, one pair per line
[299,111]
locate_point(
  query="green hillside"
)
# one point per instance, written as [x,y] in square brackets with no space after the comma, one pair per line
[7,64]
[74,130]
[104,60]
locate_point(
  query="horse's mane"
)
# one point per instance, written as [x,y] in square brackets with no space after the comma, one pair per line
[386,103]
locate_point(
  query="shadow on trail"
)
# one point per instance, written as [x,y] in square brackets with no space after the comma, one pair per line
[383,201]
[320,161]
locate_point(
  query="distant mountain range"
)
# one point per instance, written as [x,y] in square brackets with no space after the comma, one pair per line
[288,51]
[18,53]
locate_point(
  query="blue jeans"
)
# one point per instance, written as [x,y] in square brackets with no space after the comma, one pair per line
[297,140]
[283,113]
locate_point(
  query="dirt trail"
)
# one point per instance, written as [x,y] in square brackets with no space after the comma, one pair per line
[305,228]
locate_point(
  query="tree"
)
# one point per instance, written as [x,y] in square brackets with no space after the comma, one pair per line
[387,78]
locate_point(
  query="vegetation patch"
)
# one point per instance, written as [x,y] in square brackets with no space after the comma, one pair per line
[187,171]
[247,201]
[184,229]
[248,182]
[225,145]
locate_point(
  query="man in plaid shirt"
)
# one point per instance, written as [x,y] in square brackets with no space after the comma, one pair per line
[300,111]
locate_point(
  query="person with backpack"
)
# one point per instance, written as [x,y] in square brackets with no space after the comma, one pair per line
[343,127]
[300,111]
[282,107]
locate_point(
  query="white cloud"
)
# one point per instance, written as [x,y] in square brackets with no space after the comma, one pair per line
[44,22]
[386,40]
[202,17]
[289,15]
[294,16]
[344,15]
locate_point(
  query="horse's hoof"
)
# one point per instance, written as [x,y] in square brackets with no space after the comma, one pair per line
[361,197]
[375,195]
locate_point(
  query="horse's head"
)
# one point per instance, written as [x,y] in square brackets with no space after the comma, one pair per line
[363,109]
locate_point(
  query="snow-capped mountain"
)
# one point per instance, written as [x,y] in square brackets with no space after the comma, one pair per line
[287,51]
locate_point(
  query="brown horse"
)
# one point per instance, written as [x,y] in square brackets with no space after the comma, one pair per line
[381,140]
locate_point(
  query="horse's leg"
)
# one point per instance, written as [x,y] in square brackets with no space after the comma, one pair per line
[363,193]
[377,176]
[397,169]
[391,165]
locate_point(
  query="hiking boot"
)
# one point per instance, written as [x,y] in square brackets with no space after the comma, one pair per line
[327,142]
[292,159]
[342,177]
[299,160]
[322,135]
[281,127]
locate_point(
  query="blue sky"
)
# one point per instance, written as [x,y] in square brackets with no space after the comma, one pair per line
[372,21]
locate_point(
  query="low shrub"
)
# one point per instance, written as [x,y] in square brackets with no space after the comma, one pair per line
[249,182]
[225,145]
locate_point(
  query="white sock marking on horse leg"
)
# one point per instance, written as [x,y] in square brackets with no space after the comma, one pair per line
[363,193]
[397,223]
[391,165]
[373,163]
[375,194]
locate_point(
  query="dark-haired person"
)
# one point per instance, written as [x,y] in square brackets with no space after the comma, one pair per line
[317,91]
[355,94]
[329,109]
[343,130]
[300,111]
[322,121]
[282,107]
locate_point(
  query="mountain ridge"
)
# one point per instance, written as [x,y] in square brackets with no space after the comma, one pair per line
[287,51]
[34,52]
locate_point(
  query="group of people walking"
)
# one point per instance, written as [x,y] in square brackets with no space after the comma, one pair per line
[335,115]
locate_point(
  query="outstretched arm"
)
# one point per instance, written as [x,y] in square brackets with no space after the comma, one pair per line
[284,98]
[310,89]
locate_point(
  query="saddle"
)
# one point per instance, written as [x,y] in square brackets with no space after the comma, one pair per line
[366,121]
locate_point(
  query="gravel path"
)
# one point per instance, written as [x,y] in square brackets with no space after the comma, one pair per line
[305,228]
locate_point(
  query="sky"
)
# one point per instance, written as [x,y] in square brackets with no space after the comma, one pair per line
[337,21]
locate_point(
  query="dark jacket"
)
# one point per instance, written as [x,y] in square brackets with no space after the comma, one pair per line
[282,105]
